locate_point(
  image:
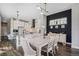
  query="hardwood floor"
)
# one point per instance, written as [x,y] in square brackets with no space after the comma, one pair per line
[62,51]
[7,49]
[65,51]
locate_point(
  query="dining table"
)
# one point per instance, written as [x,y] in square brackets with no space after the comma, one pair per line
[38,42]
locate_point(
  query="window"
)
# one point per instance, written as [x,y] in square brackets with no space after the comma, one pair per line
[56,22]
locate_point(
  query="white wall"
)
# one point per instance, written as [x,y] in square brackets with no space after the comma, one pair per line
[0,28]
[11,26]
[75,26]
[42,23]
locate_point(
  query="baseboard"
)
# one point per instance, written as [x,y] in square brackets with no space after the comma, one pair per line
[75,47]
[66,43]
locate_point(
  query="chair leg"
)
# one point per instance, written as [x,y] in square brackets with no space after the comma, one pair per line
[55,50]
[47,53]
[36,53]
[52,52]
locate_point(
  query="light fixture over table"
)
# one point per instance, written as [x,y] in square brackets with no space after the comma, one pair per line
[43,9]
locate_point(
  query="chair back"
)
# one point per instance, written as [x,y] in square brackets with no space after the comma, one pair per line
[62,38]
[51,43]
[26,47]
[50,46]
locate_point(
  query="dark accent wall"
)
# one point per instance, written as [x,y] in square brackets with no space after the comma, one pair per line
[67,29]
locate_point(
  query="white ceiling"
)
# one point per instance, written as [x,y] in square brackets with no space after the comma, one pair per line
[29,10]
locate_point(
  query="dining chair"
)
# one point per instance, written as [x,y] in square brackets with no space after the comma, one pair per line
[28,51]
[56,38]
[63,38]
[50,47]
[53,43]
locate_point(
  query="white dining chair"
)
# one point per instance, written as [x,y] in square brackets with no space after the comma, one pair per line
[28,51]
[56,38]
[50,47]
[63,38]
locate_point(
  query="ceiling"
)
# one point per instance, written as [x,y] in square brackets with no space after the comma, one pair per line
[28,11]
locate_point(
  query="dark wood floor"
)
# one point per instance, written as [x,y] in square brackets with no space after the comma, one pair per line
[65,51]
[62,51]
